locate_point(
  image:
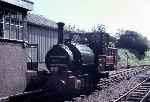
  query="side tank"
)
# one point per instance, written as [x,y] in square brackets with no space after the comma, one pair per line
[69,56]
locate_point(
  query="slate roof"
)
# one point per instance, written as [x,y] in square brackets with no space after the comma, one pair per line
[41,21]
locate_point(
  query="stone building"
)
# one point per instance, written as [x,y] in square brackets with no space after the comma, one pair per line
[13,34]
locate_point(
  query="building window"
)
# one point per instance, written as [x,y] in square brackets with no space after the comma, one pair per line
[12,24]
[1,23]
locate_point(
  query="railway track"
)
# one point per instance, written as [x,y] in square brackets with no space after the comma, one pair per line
[33,96]
[21,97]
[139,93]
[121,75]
[104,83]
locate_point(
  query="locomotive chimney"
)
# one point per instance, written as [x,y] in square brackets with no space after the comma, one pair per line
[60,32]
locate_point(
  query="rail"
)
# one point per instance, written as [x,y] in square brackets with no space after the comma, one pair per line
[118,76]
[20,96]
[131,68]
[133,89]
[130,72]
[24,95]
[103,83]
[144,98]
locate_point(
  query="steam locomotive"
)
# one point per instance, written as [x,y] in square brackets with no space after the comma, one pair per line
[73,68]
[76,68]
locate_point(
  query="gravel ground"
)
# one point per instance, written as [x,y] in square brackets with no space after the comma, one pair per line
[115,90]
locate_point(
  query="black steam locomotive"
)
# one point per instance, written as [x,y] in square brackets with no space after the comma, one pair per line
[73,68]
[76,68]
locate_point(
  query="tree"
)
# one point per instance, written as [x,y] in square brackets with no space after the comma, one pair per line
[134,42]
[101,28]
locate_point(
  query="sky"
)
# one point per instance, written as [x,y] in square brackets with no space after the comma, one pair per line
[85,14]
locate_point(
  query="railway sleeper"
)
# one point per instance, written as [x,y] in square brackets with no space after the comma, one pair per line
[141,90]
[144,87]
[146,84]
[138,93]
[135,99]
[148,99]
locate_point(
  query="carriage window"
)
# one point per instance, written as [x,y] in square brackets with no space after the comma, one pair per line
[12,24]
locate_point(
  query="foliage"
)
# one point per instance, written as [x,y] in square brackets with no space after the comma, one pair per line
[74,28]
[134,42]
[132,60]
[101,28]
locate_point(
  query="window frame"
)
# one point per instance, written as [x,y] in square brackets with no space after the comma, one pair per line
[13,24]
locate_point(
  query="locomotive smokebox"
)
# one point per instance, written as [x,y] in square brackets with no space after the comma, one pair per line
[60,32]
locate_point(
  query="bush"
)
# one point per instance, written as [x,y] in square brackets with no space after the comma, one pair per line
[134,42]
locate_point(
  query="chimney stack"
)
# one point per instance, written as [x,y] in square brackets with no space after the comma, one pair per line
[60,32]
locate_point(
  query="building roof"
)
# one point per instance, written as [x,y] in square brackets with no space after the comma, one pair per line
[26,4]
[41,21]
